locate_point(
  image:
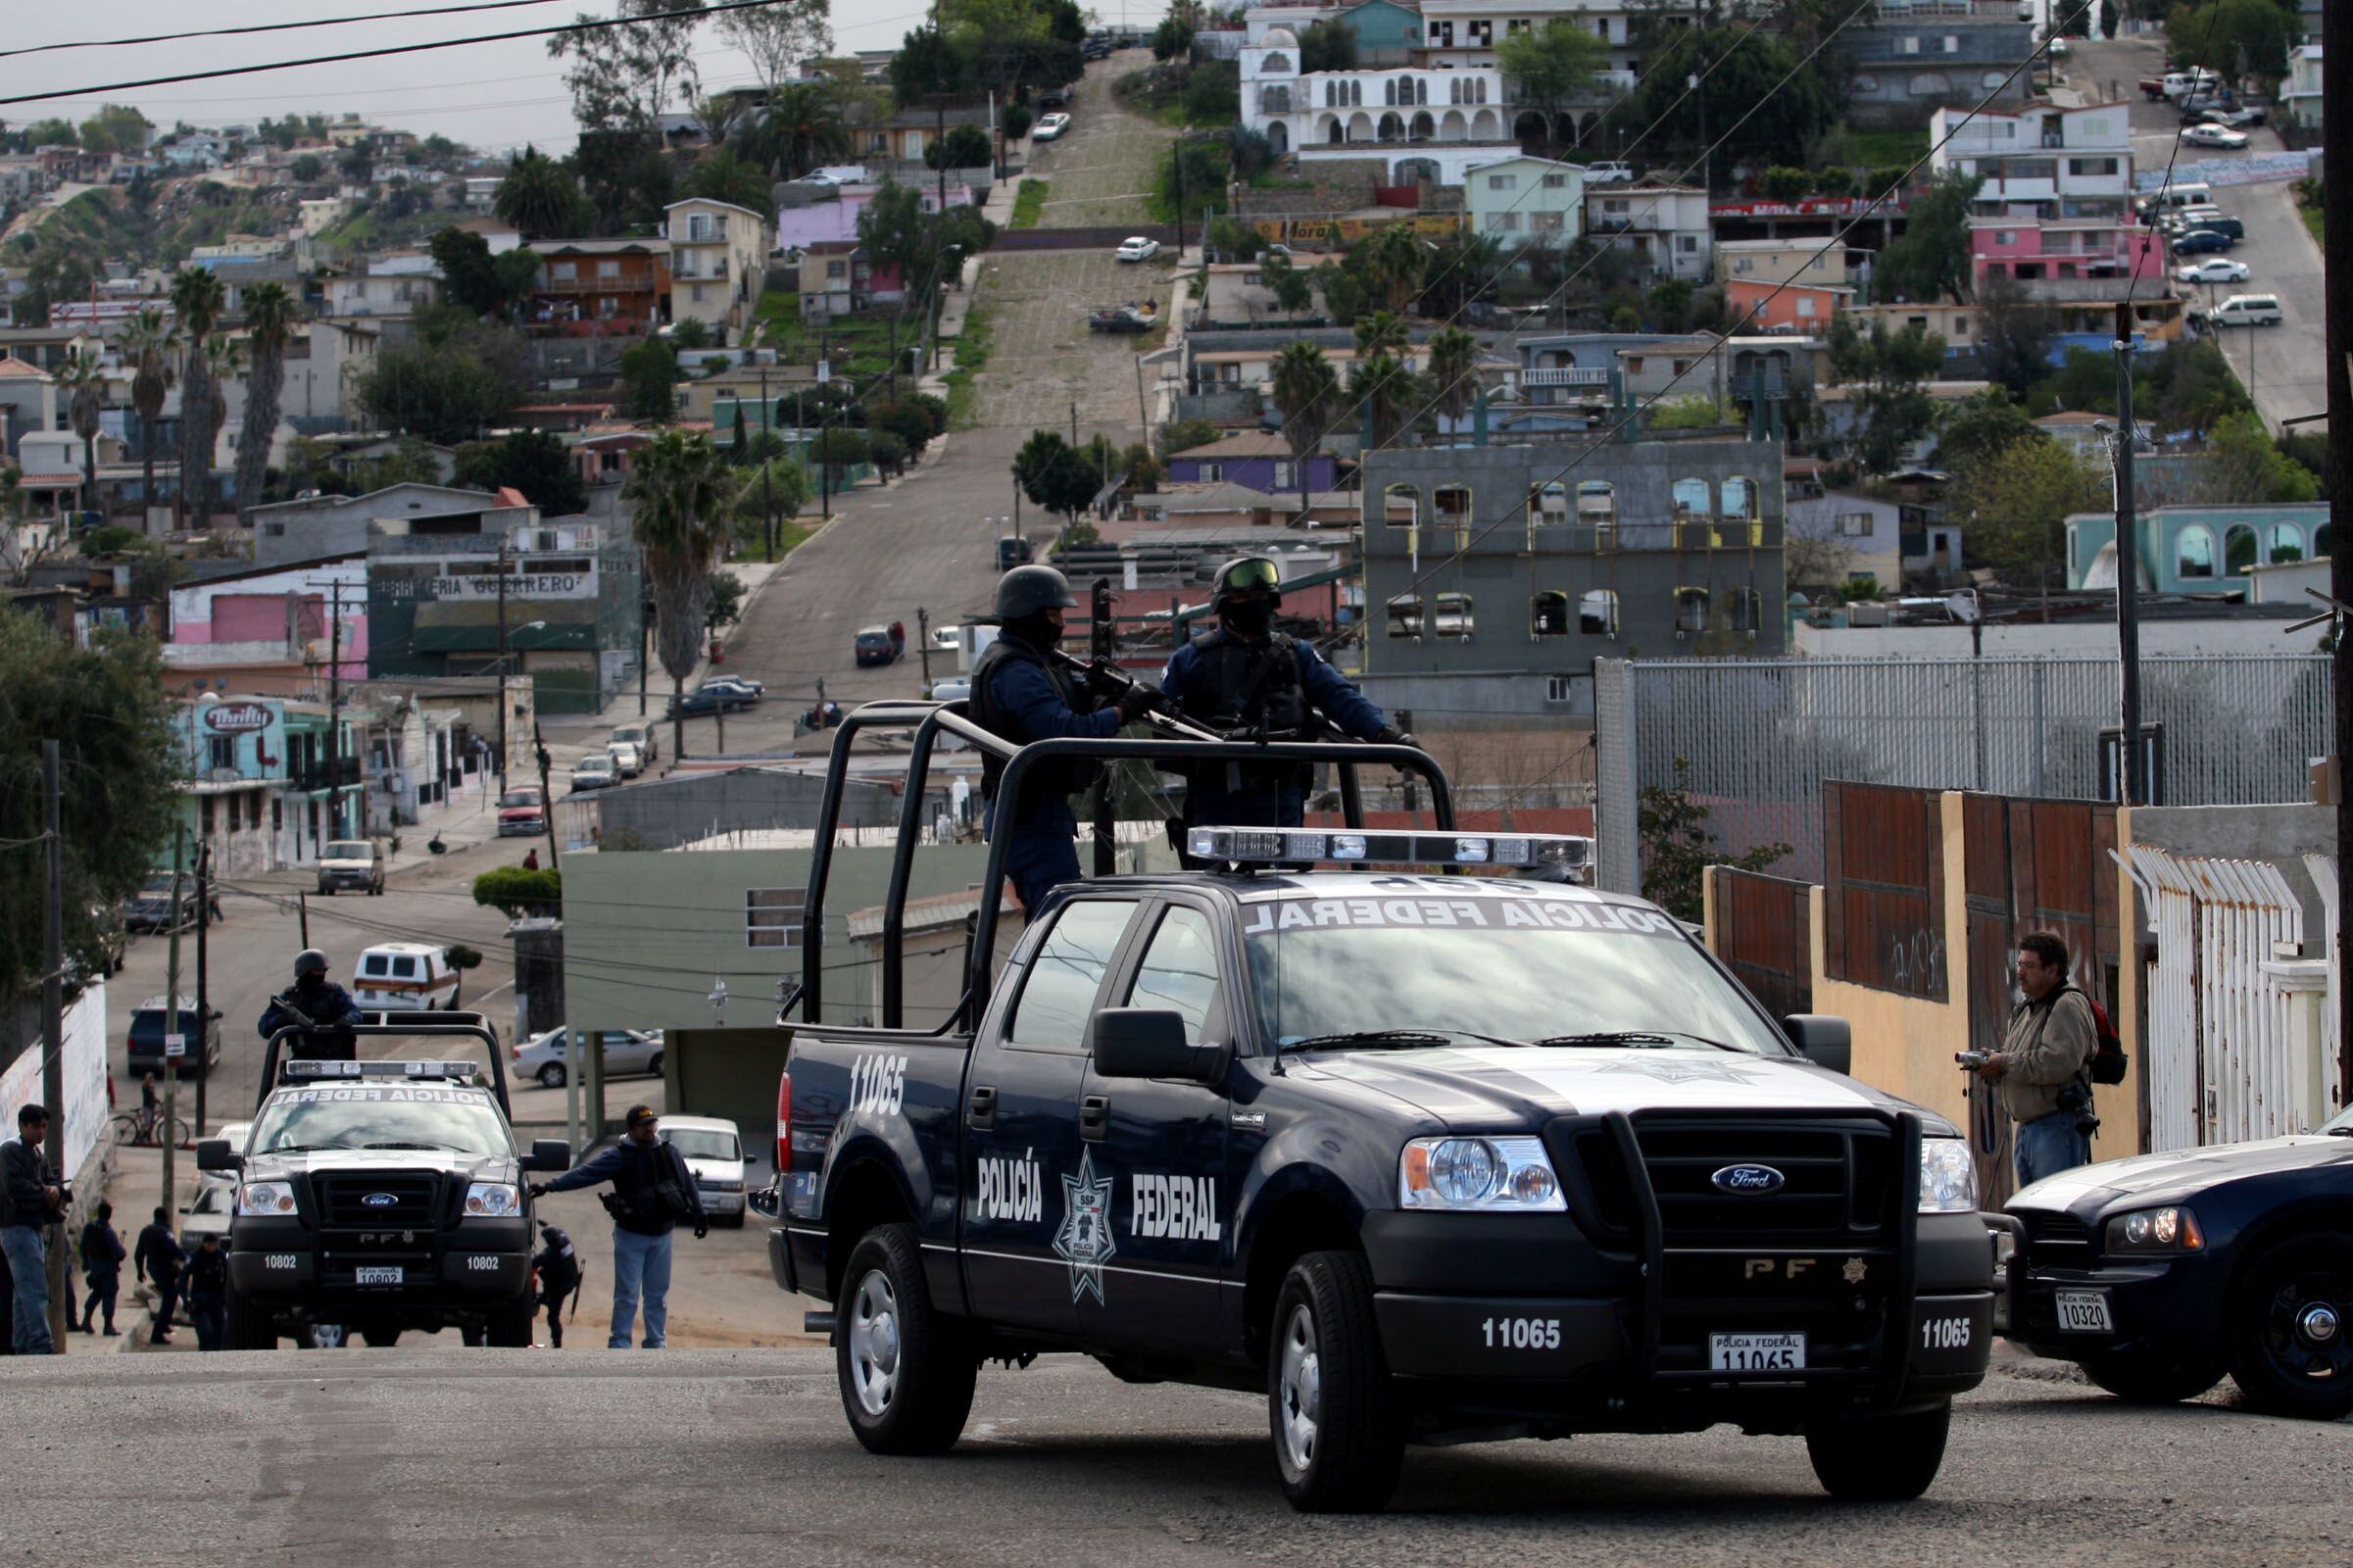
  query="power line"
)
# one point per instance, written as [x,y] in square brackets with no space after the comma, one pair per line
[268,26]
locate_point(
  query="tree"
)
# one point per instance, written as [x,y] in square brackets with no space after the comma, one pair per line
[540,197]
[1551,66]
[678,491]
[776,39]
[1185,434]
[798,129]
[116,129]
[1463,268]
[1055,476]
[775,487]
[224,362]
[197,296]
[627,177]
[887,451]
[270,317]
[2014,340]
[1755,66]
[1678,845]
[963,147]
[106,707]
[1294,288]
[83,380]
[2110,22]
[649,381]
[307,167]
[356,163]
[1893,410]
[1172,39]
[1980,427]
[1327,46]
[1306,392]
[1392,260]
[149,343]
[621,77]
[1931,260]
[1820,560]
[721,176]
[1699,412]
[535,463]
[470,275]
[452,383]
[2237,40]
[519,891]
[1454,372]
[2014,501]
[1342,290]
[925,64]
[1387,394]
[1382,332]
[2246,468]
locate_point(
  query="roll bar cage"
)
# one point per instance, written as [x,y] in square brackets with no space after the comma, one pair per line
[411,1025]
[1176,742]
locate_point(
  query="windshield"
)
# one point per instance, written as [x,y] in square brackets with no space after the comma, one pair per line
[348,851]
[519,798]
[460,1121]
[2341,1122]
[159,885]
[695,1144]
[1484,966]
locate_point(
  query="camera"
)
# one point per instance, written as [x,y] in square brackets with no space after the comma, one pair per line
[2077,1098]
[1972,1060]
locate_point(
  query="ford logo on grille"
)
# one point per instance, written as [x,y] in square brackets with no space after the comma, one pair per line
[1746,1179]
[386,1199]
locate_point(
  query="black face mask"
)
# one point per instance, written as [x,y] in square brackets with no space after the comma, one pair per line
[1249,617]
[309,980]
[1035,630]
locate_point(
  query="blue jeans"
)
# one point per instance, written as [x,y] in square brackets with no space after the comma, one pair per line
[28,1265]
[640,1261]
[210,1316]
[2049,1145]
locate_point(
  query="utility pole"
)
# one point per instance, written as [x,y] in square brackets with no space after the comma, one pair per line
[644,643]
[302,912]
[547,800]
[2128,565]
[334,715]
[768,494]
[2337,144]
[923,642]
[204,994]
[177,1028]
[824,429]
[501,666]
[1074,423]
[53,1017]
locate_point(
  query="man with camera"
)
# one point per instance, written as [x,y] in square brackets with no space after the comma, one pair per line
[2043,1070]
[32,1197]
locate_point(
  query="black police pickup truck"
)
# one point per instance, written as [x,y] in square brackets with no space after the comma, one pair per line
[1422,1158]
[377,1197]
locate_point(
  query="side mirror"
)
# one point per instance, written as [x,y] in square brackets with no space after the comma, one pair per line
[1149,1042]
[215,1154]
[762,1201]
[550,1155]
[1822,1040]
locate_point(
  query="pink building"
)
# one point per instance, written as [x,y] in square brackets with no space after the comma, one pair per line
[1760,305]
[2067,251]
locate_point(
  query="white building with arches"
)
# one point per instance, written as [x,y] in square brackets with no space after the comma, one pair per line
[1436,111]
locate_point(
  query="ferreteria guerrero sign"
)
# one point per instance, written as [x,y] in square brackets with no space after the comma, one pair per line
[468,586]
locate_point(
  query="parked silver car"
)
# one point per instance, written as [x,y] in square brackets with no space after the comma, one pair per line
[626,1051]
[714,1152]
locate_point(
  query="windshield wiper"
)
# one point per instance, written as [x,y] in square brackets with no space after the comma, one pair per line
[444,1148]
[1629,1037]
[1407,1038]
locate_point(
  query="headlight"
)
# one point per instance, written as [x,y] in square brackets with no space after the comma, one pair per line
[1949,1177]
[2155,1230]
[266,1198]
[493,1201]
[727,1186]
[1509,1174]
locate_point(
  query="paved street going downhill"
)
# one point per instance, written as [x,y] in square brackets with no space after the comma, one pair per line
[430,1456]
[1103,167]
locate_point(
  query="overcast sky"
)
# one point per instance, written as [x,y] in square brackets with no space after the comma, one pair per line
[492,97]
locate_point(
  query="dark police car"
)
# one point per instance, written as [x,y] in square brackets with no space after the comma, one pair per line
[378,1196]
[1420,1158]
[2161,1273]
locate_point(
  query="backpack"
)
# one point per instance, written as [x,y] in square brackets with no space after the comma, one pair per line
[2108,1059]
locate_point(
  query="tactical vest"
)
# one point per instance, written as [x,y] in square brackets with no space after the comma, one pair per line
[1053,782]
[1252,693]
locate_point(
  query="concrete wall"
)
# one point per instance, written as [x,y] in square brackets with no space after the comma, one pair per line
[2093,639]
[666,812]
[2281,834]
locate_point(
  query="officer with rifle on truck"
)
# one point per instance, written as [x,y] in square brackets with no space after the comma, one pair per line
[1245,681]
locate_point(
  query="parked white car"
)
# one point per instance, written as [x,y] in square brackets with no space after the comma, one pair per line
[2214,269]
[714,1152]
[647,738]
[625,758]
[626,1051]
[593,773]
[2211,135]
[1137,248]
[1050,128]
[1610,171]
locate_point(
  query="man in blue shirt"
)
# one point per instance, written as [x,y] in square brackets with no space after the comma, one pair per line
[1022,692]
[1250,681]
[652,1191]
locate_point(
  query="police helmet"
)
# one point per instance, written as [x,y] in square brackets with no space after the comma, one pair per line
[309,962]
[1026,590]
[1245,575]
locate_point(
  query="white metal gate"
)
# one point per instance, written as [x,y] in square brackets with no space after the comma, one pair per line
[2228,1056]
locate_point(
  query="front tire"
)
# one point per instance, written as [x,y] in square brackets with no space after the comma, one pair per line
[2152,1379]
[510,1327]
[551,1076]
[655,1065]
[1879,1458]
[1339,1442]
[245,1326]
[905,1373]
[2285,1330]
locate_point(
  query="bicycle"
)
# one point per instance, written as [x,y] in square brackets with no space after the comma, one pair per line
[139,1127]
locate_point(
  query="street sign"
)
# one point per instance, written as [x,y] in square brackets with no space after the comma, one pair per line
[175,1044]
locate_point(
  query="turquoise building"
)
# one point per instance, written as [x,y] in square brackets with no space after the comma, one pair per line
[2198,549]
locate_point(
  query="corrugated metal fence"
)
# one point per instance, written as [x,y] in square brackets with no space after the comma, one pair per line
[1761,736]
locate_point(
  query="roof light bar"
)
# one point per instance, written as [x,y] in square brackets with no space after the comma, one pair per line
[1565,854]
[461,1071]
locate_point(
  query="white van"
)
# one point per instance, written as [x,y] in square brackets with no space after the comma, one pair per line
[2176,196]
[2248,310]
[408,976]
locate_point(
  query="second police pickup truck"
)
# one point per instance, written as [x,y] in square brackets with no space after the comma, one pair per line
[1420,1158]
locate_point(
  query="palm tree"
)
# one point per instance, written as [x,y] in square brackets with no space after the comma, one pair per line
[722,176]
[1454,372]
[800,128]
[1395,259]
[679,491]
[1387,392]
[197,295]
[270,314]
[84,379]
[1306,392]
[541,198]
[150,339]
[1382,332]
[224,362]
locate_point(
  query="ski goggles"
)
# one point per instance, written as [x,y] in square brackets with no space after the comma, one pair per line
[1251,577]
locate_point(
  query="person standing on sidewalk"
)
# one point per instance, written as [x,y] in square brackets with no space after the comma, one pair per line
[158,1260]
[102,1256]
[32,1197]
[652,1191]
[207,1290]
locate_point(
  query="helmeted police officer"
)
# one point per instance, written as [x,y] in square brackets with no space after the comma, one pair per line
[1023,693]
[1245,679]
[317,1003]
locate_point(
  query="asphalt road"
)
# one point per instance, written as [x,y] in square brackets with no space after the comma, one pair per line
[2283,369]
[438,1455]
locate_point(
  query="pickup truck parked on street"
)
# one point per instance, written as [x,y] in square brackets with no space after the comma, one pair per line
[1419,1157]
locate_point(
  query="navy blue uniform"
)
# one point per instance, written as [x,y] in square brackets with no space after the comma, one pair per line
[1204,680]
[1021,694]
[331,1003]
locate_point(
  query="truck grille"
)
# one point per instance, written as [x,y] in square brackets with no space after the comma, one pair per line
[1839,1181]
[343,1200]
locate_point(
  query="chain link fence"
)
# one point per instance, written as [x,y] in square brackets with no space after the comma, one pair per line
[1757,738]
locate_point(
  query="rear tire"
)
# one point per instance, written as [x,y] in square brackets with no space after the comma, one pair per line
[551,1076]
[246,1327]
[380,1339]
[2152,1379]
[654,1066]
[2285,1331]
[1879,1458]
[509,1326]
[905,1371]
[1339,1442]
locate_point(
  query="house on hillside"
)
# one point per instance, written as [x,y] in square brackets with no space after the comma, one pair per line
[1527,200]
[609,285]
[718,261]
[2050,160]
[1258,460]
